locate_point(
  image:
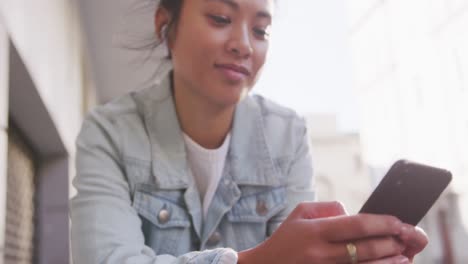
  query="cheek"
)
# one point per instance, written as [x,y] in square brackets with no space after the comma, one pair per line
[258,61]
[259,57]
[196,50]
[198,40]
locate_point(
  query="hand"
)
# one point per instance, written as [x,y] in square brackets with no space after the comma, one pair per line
[319,232]
[414,239]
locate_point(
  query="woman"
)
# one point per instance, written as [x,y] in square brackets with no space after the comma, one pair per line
[194,170]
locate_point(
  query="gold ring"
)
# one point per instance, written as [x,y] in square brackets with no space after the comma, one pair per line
[352,251]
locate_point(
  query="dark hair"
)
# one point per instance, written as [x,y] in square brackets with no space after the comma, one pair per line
[174,8]
[136,32]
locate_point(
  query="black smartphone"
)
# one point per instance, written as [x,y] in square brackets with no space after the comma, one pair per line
[407,191]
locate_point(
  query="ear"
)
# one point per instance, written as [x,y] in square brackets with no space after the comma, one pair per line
[161,19]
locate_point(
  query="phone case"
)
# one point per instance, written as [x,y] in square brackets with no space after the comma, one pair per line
[408,191]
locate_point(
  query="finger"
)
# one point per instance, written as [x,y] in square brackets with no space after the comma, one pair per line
[350,228]
[368,249]
[378,248]
[391,260]
[313,210]
[414,238]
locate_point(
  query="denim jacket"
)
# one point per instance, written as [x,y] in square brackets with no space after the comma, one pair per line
[136,199]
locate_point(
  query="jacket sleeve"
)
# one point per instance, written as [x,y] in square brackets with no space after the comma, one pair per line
[105,228]
[299,177]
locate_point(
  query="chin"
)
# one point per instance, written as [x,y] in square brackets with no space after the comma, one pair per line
[235,96]
[228,100]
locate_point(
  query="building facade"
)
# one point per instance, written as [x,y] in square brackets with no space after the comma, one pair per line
[44,91]
[339,170]
[411,76]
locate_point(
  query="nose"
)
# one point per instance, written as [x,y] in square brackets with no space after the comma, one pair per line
[240,43]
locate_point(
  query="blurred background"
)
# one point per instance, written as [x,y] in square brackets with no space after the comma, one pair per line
[377,80]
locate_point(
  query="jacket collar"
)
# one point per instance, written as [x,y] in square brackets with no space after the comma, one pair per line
[249,156]
[250,159]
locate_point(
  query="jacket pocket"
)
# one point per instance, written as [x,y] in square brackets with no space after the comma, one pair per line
[165,222]
[248,219]
[257,206]
[160,211]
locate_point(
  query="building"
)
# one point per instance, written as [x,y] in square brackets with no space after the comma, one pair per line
[411,76]
[339,170]
[44,91]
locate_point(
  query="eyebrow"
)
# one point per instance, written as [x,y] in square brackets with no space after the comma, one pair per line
[234,5]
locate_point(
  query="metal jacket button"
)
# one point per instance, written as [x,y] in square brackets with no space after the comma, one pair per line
[164,216]
[214,238]
[262,208]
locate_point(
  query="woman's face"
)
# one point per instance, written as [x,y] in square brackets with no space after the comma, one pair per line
[219,47]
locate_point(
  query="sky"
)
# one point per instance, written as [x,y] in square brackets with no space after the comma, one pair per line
[309,65]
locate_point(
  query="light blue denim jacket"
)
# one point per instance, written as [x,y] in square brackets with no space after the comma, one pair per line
[131,164]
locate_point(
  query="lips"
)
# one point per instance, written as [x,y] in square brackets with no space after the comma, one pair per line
[235,67]
[233,72]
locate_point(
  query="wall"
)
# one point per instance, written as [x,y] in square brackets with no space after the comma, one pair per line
[4,50]
[47,36]
[411,75]
[43,53]
[339,170]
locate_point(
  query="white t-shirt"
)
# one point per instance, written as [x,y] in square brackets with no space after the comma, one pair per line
[207,167]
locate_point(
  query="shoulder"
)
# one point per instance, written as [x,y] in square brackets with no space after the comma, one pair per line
[283,127]
[114,110]
[111,122]
[278,117]
[269,107]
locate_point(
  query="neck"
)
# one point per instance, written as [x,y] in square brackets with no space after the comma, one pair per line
[205,123]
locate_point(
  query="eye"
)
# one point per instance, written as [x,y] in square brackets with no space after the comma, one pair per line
[262,33]
[220,20]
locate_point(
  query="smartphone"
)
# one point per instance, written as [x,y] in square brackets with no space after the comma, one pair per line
[407,191]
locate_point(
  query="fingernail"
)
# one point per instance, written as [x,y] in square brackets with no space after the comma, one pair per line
[403,260]
[397,225]
[404,230]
